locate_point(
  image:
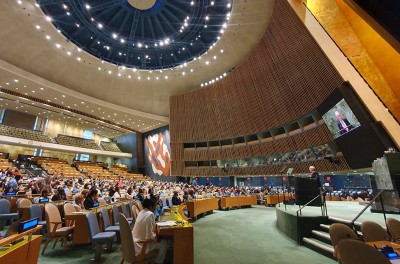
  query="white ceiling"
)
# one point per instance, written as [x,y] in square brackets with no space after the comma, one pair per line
[35,54]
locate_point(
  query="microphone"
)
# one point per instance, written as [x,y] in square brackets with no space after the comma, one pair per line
[283,169]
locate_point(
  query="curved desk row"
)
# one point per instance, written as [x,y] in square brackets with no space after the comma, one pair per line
[238,201]
[201,206]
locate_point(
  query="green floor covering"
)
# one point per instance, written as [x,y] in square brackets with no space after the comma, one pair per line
[236,236]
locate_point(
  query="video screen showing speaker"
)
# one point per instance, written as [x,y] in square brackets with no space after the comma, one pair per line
[340,119]
[358,137]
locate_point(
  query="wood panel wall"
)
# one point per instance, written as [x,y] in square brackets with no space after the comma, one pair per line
[321,165]
[310,138]
[285,77]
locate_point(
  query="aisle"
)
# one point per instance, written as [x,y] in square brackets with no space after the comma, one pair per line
[247,236]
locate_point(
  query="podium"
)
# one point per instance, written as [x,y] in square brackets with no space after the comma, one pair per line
[306,189]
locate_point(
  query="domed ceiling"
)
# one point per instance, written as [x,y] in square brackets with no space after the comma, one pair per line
[141,34]
[39,49]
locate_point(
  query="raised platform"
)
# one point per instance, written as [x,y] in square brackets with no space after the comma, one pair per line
[311,218]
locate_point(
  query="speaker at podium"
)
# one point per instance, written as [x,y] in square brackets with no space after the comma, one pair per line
[306,189]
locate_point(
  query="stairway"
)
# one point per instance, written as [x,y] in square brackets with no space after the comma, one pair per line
[320,240]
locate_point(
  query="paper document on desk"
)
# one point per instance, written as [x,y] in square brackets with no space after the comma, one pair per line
[395,261]
[166,223]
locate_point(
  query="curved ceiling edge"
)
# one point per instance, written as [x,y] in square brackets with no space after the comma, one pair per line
[41,81]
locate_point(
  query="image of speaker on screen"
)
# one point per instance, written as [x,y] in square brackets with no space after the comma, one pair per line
[340,119]
[342,123]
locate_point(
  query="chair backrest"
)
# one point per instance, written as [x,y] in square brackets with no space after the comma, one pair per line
[115,214]
[127,244]
[102,201]
[357,252]
[164,201]
[35,211]
[93,224]
[4,206]
[124,210]
[393,226]
[77,208]
[135,212]
[68,210]
[139,205]
[52,215]
[130,204]
[23,202]
[338,232]
[105,217]
[373,232]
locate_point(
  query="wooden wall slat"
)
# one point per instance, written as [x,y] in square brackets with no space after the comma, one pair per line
[286,76]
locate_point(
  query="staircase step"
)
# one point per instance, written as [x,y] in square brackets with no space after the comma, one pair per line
[324,227]
[320,247]
[343,221]
[321,235]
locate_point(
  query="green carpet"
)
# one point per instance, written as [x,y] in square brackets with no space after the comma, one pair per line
[248,236]
[344,210]
[236,236]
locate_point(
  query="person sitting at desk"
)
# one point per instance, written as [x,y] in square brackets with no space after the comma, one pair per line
[140,195]
[116,196]
[144,229]
[175,199]
[44,195]
[78,202]
[185,196]
[12,185]
[60,195]
[91,199]
[191,195]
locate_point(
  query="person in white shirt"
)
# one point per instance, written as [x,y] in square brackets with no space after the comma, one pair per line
[144,229]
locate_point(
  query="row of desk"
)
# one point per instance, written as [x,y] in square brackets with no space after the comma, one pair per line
[201,206]
[182,234]
[25,251]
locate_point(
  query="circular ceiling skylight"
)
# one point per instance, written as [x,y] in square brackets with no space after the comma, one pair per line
[141,34]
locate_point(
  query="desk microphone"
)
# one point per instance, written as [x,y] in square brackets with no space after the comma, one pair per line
[182,222]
